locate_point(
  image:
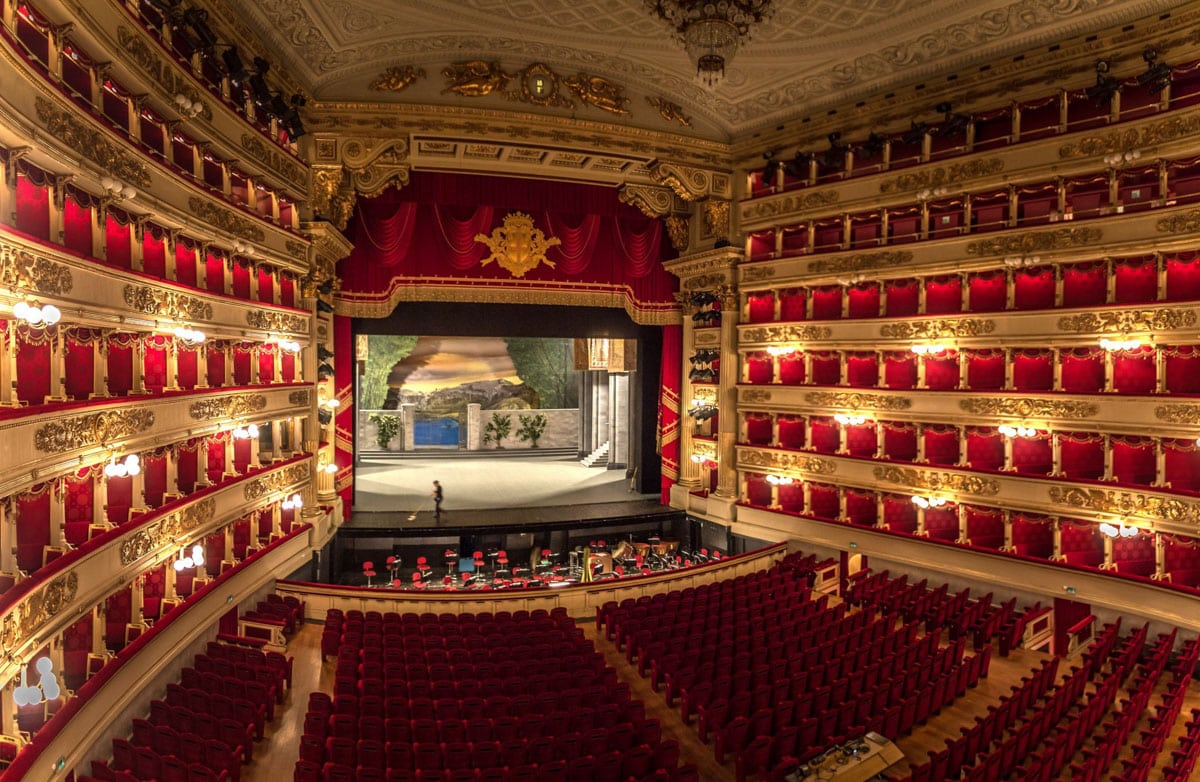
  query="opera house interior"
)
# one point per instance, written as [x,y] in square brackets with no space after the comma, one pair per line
[623,391]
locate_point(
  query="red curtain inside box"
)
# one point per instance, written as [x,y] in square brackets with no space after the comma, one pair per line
[899,514]
[266,363]
[993,128]
[1033,370]
[77,644]
[32,510]
[827,234]
[214,552]
[261,524]
[942,523]
[795,242]
[987,291]
[1181,559]
[1134,555]
[1134,371]
[215,458]
[154,471]
[943,295]
[900,370]
[758,491]
[1183,277]
[216,360]
[287,290]
[1082,370]
[33,203]
[153,585]
[865,230]
[1133,459]
[120,365]
[1082,455]
[1033,535]
[862,370]
[214,274]
[185,467]
[242,357]
[791,431]
[1036,203]
[241,280]
[120,499]
[826,368]
[825,435]
[941,370]
[791,369]
[827,303]
[1087,196]
[78,221]
[288,517]
[118,610]
[1137,280]
[241,538]
[1033,455]
[1182,469]
[186,361]
[761,307]
[904,226]
[864,301]
[118,242]
[185,263]
[899,441]
[985,369]
[824,501]
[1082,542]
[78,363]
[791,305]
[989,212]
[155,366]
[985,449]
[945,219]
[288,367]
[1137,189]
[1039,118]
[77,505]
[941,444]
[1085,284]
[791,498]
[758,429]
[762,245]
[861,440]
[266,285]
[903,298]
[33,365]
[1139,100]
[985,527]
[758,368]
[861,508]
[241,456]
[1033,289]
[154,253]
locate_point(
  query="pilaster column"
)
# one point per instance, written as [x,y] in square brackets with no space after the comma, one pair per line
[172,351]
[921,296]
[1110,286]
[276,437]
[774,496]
[1058,286]
[58,512]
[879,524]
[775,430]
[727,399]
[171,487]
[689,471]
[202,365]
[202,266]
[774,368]
[137,603]
[276,520]
[8,365]
[879,441]
[137,257]
[961,511]
[921,372]
[843,368]
[1160,370]
[1160,557]
[229,469]
[842,517]
[807,499]
[1109,380]
[1056,363]
[139,366]
[8,539]
[962,447]
[252,270]
[921,533]
[1160,463]
[277,365]
[1055,454]
[58,366]
[100,367]
[1006,517]
[963,368]
[170,270]
[808,368]
[202,480]
[137,497]
[100,499]
[921,443]
[776,297]
[1108,563]
[255,351]
[842,439]
[227,276]
[1008,454]
[228,349]
[255,458]
[880,379]
[1108,457]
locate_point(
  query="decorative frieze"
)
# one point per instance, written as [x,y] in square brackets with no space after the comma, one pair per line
[22,270]
[788,333]
[276,481]
[92,429]
[1186,222]
[30,614]
[225,219]
[943,175]
[755,395]
[268,320]
[93,143]
[757,273]
[1035,242]
[935,480]
[857,401]
[796,202]
[160,70]
[227,406]
[298,398]
[167,532]
[298,250]
[167,303]
[1127,503]
[1126,321]
[1007,407]
[937,329]
[787,460]
[1178,414]
[860,262]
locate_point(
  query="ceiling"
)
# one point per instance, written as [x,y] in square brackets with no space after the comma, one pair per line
[812,54]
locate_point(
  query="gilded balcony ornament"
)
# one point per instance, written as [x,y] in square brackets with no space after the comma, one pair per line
[92,143]
[857,401]
[1132,138]
[597,92]
[234,406]
[298,250]
[785,460]
[93,429]
[705,281]
[1178,414]
[1128,321]
[934,480]
[31,614]
[517,246]
[671,112]
[754,395]
[169,304]
[716,218]
[944,175]
[789,333]
[167,532]
[860,262]
[1126,503]
[1027,408]
[270,156]
[225,219]
[934,329]
[677,231]
[298,398]
[267,320]
[1035,242]
[474,78]
[162,72]
[1187,222]
[396,79]
[22,270]
[688,182]
[796,202]
[276,481]
[757,273]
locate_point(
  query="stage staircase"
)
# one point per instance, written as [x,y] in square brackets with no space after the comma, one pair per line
[595,456]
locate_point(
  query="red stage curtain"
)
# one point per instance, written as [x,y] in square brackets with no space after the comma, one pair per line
[827,303]
[241,279]
[826,368]
[864,301]
[1137,280]
[941,371]
[825,434]
[1134,371]
[1182,464]
[758,429]
[792,304]
[1082,370]
[987,291]
[185,263]
[900,370]
[1033,370]
[758,368]
[943,295]
[1084,284]
[1033,535]
[1183,278]
[985,527]
[33,365]
[791,369]
[824,501]
[899,441]
[861,508]
[761,307]
[154,253]
[1033,455]
[985,369]
[985,449]
[903,298]
[241,364]
[33,526]
[33,202]
[942,523]
[1133,459]
[1034,289]
[118,240]
[1082,543]
[899,514]
[1082,455]
[941,444]
[861,440]
[791,431]
[78,221]
[862,370]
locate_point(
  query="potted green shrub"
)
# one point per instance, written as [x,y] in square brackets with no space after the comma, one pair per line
[531,429]
[497,429]
[388,426]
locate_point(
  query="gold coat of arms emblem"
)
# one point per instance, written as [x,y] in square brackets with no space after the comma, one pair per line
[517,246]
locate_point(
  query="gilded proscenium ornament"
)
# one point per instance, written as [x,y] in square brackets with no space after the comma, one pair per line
[687,182]
[474,78]
[784,460]
[671,112]
[598,92]
[716,218]
[1127,321]
[788,204]
[934,329]
[706,282]
[1126,503]
[227,407]
[225,219]
[1035,242]
[329,198]
[92,429]
[786,333]
[651,200]
[1027,408]
[857,401]
[169,304]
[30,614]
[540,86]
[1178,414]
[1188,222]
[860,262]
[517,246]
[276,481]
[677,231]
[704,448]
[1132,138]
[934,480]
[267,320]
[162,72]
[93,144]
[298,250]
[22,270]
[167,532]
[396,79]
[944,175]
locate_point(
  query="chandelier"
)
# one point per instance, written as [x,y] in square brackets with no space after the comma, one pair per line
[711,30]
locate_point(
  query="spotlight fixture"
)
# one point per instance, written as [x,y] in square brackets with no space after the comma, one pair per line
[1106,86]
[953,122]
[705,356]
[324,353]
[324,416]
[707,317]
[797,167]
[197,20]
[915,133]
[703,298]
[702,375]
[233,64]
[326,287]
[774,164]
[324,306]
[701,410]
[835,156]
[873,146]
[259,89]
[1158,74]
[324,370]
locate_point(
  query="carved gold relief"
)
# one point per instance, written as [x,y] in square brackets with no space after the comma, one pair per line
[944,175]
[933,329]
[788,204]
[474,78]
[857,401]
[168,532]
[784,460]
[671,112]
[786,333]
[268,320]
[397,79]
[227,407]
[1188,222]
[598,92]
[162,72]
[1162,319]
[1027,408]
[756,273]
[1132,138]
[517,246]
[22,270]
[1178,414]
[167,303]
[716,218]
[688,182]
[225,219]
[92,143]
[1034,242]
[298,398]
[860,262]
[276,481]
[1126,503]
[271,156]
[298,250]
[29,615]
[753,395]
[652,201]
[934,480]
[677,231]
[92,429]
[329,198]
[705,281]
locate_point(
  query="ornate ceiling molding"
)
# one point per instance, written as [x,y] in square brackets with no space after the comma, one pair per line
[651,200]
[692,183]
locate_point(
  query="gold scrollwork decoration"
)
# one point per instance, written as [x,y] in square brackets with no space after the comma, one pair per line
[474,78]
[1028,408]
[935,480]
[92,429]
[227,406]
[677,231]
[1132,138]
[517,246]
[857,401]
[798,202]
[860,262]
[934,329]
[298,398]
[277,321]
[298,250]
[1035,241]
[93,143]
[1127,503]
[169,304]
[26,617]
[671,112]
[945,175]
[1178,414]
[651,200]
[790,333]
[22,270]
[784,460]
[1126,321]
[226,220]
[716,218]
[705,281]
[396,79]
[754,395]
[756,273]
[276,481]
[1187,222]
[598,92]
[167,532]
[539,85]
[687,182]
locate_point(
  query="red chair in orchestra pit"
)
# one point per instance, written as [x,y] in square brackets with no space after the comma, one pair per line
[417,582]
[393,565]
[423,568]
[369,571]
[502,560]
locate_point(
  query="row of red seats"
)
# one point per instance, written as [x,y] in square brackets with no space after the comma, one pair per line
[604,700]
[169,756]
[1183,760]
[241,685]
[253,657]
[165,739]
[428,628]
[606,768]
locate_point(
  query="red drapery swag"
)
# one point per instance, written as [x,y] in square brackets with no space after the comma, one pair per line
[668,407]
[343,436]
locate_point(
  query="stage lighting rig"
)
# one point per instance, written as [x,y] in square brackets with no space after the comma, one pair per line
[953,122]
[1106,86]
[873,146]
[835,156]
[197,20]
[772,167]
[1158,74]
[915,133]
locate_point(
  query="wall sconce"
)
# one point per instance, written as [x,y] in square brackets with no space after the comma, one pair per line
[850,419]
[245,432]
[35,314]
[242,248]
[1120,158]
[328,469]
[1018,261]
[929,350]
[130,465]
[118,190]
[704,461]
[928,502]
[780,351]
[190,336]
[928,193]
[847,282]
[288,345]
[1010,431]
[187,106]
[194,559]
[295,502]
[1115,345]
[1123,531]
[46,690]
[780,480]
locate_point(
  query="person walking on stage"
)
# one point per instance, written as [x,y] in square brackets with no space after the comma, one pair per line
[437,500]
